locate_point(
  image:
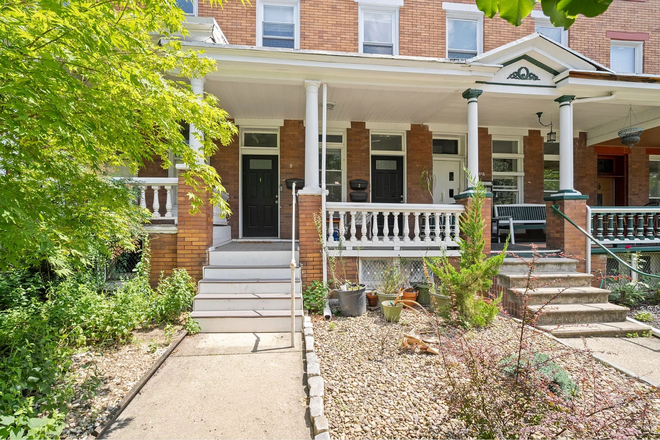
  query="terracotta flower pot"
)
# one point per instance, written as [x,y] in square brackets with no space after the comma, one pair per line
[372,299]
[409,296]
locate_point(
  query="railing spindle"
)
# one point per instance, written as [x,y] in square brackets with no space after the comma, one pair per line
[427,228]
[156,202]
[168,202]
[396,237]
[610,227]
[631,226]
[416,239]
[640,227]
[143,196]
[599,226]
[374,227]
[363,229]
[649,227]
[386,226]
[406,227]
[341,226]
[619,228]
[353,229]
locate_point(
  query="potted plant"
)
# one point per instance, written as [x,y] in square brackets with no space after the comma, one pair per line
[392,310]
[438,302]
[409,295]
[424,296]
[372,299]
[391,281]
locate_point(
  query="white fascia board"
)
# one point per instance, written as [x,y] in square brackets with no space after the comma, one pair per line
[259,123]
[508,131]
[522,91]
[461,7]
[611,85]
[387,126]
[386,3]
[438,128]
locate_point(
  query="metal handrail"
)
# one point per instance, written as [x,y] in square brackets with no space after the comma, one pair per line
[598,243]
[293,266]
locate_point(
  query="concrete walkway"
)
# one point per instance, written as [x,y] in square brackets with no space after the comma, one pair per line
[640,356]
[222,386]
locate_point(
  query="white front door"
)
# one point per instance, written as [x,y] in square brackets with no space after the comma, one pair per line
[447,180]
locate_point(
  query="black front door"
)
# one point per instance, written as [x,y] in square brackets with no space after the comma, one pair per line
[387,185]
[260,191]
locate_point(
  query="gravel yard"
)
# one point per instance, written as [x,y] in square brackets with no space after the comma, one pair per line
[654,310]
[102,378]
[375,389]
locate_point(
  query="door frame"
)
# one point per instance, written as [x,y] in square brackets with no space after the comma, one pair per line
[462,179]
[249,151]
[403,153]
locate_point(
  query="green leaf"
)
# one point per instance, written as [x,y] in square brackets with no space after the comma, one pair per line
[37,423]
[514,11]
[7,420]
[488,7]
[557,17]
[588,8]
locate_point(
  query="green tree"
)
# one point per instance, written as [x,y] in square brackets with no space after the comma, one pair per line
[562,13]
[85,87]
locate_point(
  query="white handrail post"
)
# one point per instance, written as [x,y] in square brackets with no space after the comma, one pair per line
[324,123]
[588,250]
[293,265]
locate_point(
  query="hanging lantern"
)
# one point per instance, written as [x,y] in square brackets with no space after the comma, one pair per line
[631,135]
[552,135]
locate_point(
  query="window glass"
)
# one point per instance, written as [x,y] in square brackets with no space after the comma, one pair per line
[387,142]
[551,148]
[507,172]
[505,190]
[187,6]
[445,146]
[605,166]
[505,147]
[333,174]
[279,26]
[622,58]
[260,140]
[654,179]
[332,138]
[377,33]
[551,176]
[462,38]
[505,165]
[554,33]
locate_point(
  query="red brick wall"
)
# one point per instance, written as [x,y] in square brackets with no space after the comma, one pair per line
[163,255]
[638,182]
[486,214]
[422,28]
[292,165]
[562,235]
[585,168]
[533,145]
[357,153]
[311,257]
[419,156]
[225,161]
[485,155]
[329,25]
[195,233]
[237,21]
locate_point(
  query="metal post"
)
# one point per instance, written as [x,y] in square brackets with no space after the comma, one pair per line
[324,123]
[589,230]
[293,266]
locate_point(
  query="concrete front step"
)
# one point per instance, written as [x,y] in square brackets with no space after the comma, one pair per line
[247,321]
[579,313]
[255,301]
[549,279]
[250,273]
[213,285]
[513,266]
[561,295]
[250,258]
[602,329]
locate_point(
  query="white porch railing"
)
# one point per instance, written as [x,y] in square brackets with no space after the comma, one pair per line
[157,186]
[624,224]
[393,226]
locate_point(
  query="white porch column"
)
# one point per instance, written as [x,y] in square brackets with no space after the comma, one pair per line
[566,181]
[472,95]
[312,137]
[197,85]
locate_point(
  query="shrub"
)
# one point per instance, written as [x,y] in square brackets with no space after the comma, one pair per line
[314,297]
[629,294]
[559,382]
[19,287]
[173,296]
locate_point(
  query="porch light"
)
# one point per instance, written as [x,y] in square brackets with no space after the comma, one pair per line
[630,135]
[552,135]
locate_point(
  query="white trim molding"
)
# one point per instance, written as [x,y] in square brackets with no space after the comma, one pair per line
[382,9]
[462,7]
[259,123]
[638,46]
[388,3]
[387,126]
[296,18]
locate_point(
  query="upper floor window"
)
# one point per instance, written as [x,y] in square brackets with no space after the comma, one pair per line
[189,7]
[543,26]
[465,30]
[626,56]
[379,31]
[278,24]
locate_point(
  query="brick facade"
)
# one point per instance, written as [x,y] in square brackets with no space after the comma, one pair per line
[195,233]
[357,151]
[560,234]
[638,188]
[585,168]
[419,156]
[225,161]
[292,165]
[533,149]
[485,155]
[311,257]
[163,256]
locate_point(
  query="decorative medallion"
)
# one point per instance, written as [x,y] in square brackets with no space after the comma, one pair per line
[524,74]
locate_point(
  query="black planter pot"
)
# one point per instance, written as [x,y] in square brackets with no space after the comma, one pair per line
[299,183]
[352,302]
[358,196]
[359,184]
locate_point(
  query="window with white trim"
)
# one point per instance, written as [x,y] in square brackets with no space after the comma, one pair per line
[335,164]
[387,142]
[189,7]
[626,56]
[550,168]
[465,34]
[379,30]
[260,138]
[278,24]
[654,178]
[507,171]
[543,26]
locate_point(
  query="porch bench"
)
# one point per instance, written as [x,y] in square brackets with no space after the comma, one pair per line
[519,216]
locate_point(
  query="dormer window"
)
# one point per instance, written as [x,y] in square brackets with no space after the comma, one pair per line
[278,24]
[379,30]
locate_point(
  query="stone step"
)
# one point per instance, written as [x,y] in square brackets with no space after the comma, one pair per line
[250,258]
[213,285]
[248,321]
[562,295]
[246,273]
[602,329]
[255,301]
[580,313]
[549,279]
[513,266]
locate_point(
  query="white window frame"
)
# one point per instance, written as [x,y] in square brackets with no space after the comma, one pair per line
[195,9]
[456,137]
[258,150]
[548,158]
[520,173]
[639,53]
[394,11]
[296,18]
[464,12]
[545,22]
[653,159]
[373,152]
[336,146]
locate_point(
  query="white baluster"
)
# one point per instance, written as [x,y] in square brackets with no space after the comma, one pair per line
[397,239]
[143,197]
[386,227]
[438,235]
[331,228]
[427,228]
[447,219]
[168,203]
[374,227]
[457,228]
[353,230]
[416,239]
[406,227]
[156,204]
[342,227]
[365,215]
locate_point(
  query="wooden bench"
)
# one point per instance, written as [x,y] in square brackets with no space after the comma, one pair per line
[520,216]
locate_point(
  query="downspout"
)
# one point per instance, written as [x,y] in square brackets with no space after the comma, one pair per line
[594,98]
[324,123]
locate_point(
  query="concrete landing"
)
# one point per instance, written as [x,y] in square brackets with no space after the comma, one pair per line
[223,386]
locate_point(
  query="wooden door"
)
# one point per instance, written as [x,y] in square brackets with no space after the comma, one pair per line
[260,194]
